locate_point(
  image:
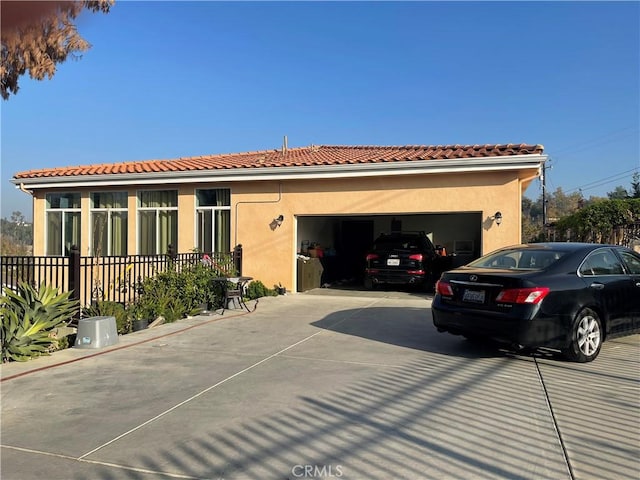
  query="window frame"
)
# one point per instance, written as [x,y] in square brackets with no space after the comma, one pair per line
[624,255]
[595,254]
[109,211]
[64,212]
[158,210]
[211,210]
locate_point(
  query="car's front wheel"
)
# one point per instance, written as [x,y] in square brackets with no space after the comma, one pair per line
[586,337]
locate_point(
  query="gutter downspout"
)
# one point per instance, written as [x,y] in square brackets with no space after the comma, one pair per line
[235,241]
[23,189]
[33,206]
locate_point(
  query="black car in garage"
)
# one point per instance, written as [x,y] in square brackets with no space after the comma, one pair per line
[564,296]
[404,258]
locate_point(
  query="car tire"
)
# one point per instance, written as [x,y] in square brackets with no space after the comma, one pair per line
[475,339]
[428,286]
[586,337]
[368,283]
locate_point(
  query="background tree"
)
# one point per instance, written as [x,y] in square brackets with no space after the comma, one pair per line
[16,235]
[576,219]
[36,36]
[559,205]
[601,222]
[635,185]
[618,193]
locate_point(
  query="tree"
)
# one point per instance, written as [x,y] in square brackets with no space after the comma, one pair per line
[16,236]
[600,222]
[635,185]
[619,193]
[36,36]
[559,205]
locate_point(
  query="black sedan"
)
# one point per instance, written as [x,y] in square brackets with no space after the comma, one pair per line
[563,296]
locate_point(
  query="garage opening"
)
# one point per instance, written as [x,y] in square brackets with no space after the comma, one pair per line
[338,244]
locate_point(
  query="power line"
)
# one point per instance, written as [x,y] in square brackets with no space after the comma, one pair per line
[606,138]
[604,181]
[589,145]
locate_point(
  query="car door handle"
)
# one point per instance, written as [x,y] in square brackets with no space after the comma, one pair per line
[597,286]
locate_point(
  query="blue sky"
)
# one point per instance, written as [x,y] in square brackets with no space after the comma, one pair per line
[174,79]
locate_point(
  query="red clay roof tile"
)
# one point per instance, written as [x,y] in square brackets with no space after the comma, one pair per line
[314,155]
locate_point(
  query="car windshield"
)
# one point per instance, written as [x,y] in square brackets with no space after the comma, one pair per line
[519,259]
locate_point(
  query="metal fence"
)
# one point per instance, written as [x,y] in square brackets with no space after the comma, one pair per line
[106,278]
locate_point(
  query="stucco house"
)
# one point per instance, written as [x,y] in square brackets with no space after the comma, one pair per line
[275,201]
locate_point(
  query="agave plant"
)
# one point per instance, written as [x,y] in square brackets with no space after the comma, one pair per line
[34,321]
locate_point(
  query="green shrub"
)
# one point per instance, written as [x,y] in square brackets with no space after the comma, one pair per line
[161,296]
[257,289]
[176,293]
[106,308]
[34,321]
[199,287]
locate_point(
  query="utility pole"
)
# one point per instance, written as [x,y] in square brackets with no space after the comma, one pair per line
[544,197]
[544,200]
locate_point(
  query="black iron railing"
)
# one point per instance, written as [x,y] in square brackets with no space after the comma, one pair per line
[106,278]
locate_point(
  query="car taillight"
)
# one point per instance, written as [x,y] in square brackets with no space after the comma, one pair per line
[416,256]
[371,256]
[444,288]
[522,295]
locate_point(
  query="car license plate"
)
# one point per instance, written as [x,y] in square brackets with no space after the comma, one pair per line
[474,296]
[393,262]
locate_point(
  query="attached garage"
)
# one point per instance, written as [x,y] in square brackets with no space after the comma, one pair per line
[345,239]
[273,202]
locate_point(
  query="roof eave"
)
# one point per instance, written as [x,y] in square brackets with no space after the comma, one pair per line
[416,167]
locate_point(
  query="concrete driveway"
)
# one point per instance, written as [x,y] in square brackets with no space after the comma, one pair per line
[329,384]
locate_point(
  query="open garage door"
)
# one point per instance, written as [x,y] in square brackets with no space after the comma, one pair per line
[340,243]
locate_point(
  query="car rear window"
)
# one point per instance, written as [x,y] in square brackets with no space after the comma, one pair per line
[524,259]
[395,242]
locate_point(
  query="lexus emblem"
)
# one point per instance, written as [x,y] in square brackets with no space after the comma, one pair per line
[473,278]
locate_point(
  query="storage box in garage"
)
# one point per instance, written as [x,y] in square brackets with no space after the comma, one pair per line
[309,274]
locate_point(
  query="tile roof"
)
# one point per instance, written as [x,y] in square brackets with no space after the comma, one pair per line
[314,155]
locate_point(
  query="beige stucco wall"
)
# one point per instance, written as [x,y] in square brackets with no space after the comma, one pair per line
[38,223]
[270,254]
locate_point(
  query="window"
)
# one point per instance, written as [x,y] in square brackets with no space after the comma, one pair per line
[463,247]
[157,221]
[519,258]
[109,223]
[63,222]
[213,220]
[601,262]
[633,262]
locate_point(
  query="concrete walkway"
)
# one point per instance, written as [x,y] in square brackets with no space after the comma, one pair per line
[330,384]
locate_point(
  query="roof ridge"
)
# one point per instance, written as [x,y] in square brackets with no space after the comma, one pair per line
[451,145]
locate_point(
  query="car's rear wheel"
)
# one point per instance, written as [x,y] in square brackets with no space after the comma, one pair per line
[476,339]
[586,337]
[368,283]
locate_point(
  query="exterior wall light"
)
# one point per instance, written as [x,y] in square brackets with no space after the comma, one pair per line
[276,222]
[497,217]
